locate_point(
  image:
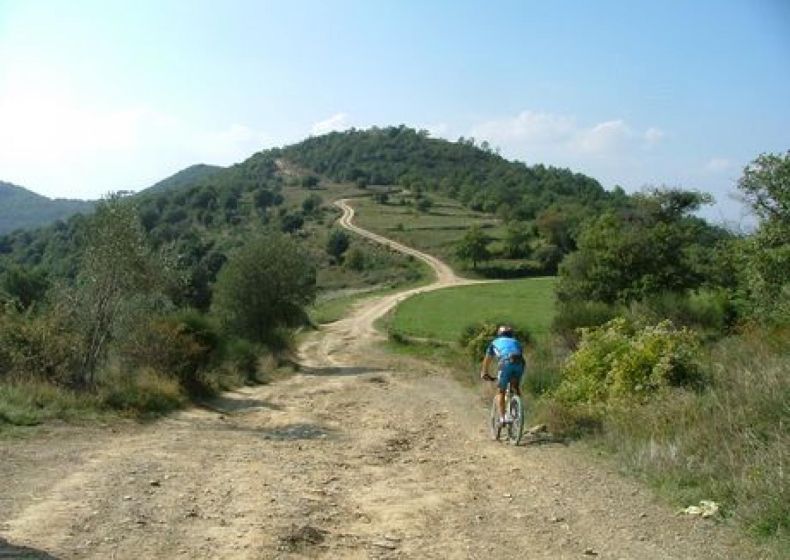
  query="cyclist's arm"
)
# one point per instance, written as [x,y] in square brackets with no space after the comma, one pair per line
[485,365]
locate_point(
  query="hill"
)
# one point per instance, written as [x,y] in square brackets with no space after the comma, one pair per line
[21,208]
[185,177]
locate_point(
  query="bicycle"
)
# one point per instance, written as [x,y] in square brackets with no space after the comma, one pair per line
[514,416]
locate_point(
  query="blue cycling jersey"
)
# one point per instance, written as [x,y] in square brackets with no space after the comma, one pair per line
[504,346]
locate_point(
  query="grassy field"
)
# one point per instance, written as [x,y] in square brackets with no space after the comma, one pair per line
[443,314]
[436,232]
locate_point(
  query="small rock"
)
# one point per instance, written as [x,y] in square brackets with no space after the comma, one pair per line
[155,483]
[507,495]
[643,515]
[557,519]
[590,552]
[385,544]
[127,498]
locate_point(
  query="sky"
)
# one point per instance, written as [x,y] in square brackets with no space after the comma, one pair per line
[99,96]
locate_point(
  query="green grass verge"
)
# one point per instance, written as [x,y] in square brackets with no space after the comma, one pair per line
[443,314]
[436,232]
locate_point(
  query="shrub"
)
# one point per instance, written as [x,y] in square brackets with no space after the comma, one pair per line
[355,259]
[37,347]
[243,357]
[710,313]
[727,443]
[144,391]
[179,345]
[618,361]
[574,315]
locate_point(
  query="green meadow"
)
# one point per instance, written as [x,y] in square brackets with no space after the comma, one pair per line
[436,232]
[443,314]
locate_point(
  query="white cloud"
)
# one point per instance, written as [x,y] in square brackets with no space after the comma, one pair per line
[561,139]
[718,165]
[654,135]
[528,127]
[606,138]
[338,121]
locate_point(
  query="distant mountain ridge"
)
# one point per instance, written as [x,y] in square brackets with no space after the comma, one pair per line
[21,208]
[188,176]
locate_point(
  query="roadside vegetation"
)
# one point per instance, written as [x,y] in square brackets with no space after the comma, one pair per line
[665,342]
[669,346]
[171,295]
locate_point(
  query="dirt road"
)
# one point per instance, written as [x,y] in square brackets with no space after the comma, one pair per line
[360,455]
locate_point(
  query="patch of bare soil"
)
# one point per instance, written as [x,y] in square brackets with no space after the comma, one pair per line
[360,455]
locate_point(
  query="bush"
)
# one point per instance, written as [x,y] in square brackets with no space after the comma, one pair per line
[710,313]
[619,362]
[144,391]
[574,315]
[37,347]
[728,443]
[355,259]
[243,357]
[179,345]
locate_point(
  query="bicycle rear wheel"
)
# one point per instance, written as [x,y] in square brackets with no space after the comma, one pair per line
[494,425]
[516,426]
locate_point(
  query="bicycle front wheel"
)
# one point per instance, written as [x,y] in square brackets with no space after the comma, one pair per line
[516,427]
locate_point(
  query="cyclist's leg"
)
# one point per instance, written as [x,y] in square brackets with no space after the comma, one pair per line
[515,384]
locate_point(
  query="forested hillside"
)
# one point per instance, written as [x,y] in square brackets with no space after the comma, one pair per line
[186,177]
[545,205]
[21,208]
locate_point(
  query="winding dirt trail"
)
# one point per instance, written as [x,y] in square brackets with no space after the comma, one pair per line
[360,455]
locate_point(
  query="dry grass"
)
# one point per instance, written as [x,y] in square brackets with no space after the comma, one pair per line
[728,444]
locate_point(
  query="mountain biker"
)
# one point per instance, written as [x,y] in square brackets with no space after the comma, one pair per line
[510,357]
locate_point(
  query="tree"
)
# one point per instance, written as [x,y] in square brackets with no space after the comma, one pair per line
[264,286]
[337,243]
[310,182]
[355,259]
[381,197]
[24,286]
[424,204]
[263,198]
[116,264]
[473,246]
[766,254]
[518,239]
[766,186]
[290,223]
[640,252]
[312,203]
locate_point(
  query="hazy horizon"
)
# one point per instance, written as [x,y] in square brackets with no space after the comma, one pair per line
[97,97]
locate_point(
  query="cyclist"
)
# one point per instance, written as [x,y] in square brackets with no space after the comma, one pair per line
[510,356]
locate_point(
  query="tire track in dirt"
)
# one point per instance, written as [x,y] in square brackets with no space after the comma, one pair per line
[359,455]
